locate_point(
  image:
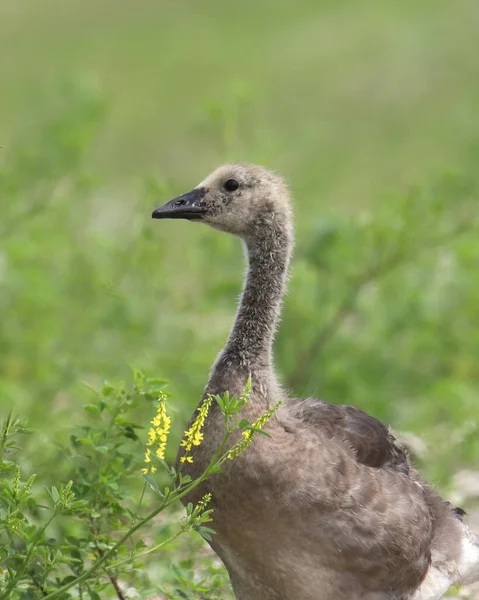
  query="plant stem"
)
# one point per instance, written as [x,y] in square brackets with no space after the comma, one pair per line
[5,433]
[149,551]
[101,560]
[118,591]
[24,566]
[140,524]
[135,516]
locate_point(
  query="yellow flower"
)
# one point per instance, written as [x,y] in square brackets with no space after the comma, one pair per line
[157,435]
[202,504]
[151,437]
[247,436]
[147,455]
[152,469]
[194,435]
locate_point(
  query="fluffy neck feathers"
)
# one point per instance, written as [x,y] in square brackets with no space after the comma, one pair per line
[249,346]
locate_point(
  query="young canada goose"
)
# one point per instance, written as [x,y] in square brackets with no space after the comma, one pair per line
[329,507]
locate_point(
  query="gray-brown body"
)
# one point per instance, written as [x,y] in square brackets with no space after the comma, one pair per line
[299,516]
[328,507]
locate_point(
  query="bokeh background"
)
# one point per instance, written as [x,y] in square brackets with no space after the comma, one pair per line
[369,109]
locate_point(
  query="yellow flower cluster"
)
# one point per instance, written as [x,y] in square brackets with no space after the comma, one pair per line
[247,438]
[194,435]
[157,435]
[203,503]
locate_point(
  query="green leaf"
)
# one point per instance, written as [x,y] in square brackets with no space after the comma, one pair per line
[163,463]
[29,531]
[91,408]
[206,533]
[257,430]
[73,541]
[54,494]
[152,483]
[214,469]
[220,402]
[107,389]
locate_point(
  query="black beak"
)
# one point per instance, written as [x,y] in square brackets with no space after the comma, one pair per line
[187,206]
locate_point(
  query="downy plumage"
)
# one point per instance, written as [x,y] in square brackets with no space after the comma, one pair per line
[329,507]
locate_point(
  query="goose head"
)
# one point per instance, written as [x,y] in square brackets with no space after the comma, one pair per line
[238,199]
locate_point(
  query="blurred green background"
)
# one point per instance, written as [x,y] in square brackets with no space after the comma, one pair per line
[109,108]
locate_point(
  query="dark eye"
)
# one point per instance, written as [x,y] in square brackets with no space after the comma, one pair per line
[231,185]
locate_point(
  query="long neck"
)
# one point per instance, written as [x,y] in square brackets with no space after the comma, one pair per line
[249,347]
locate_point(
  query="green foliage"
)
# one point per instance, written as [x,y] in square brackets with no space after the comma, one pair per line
[83,537]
